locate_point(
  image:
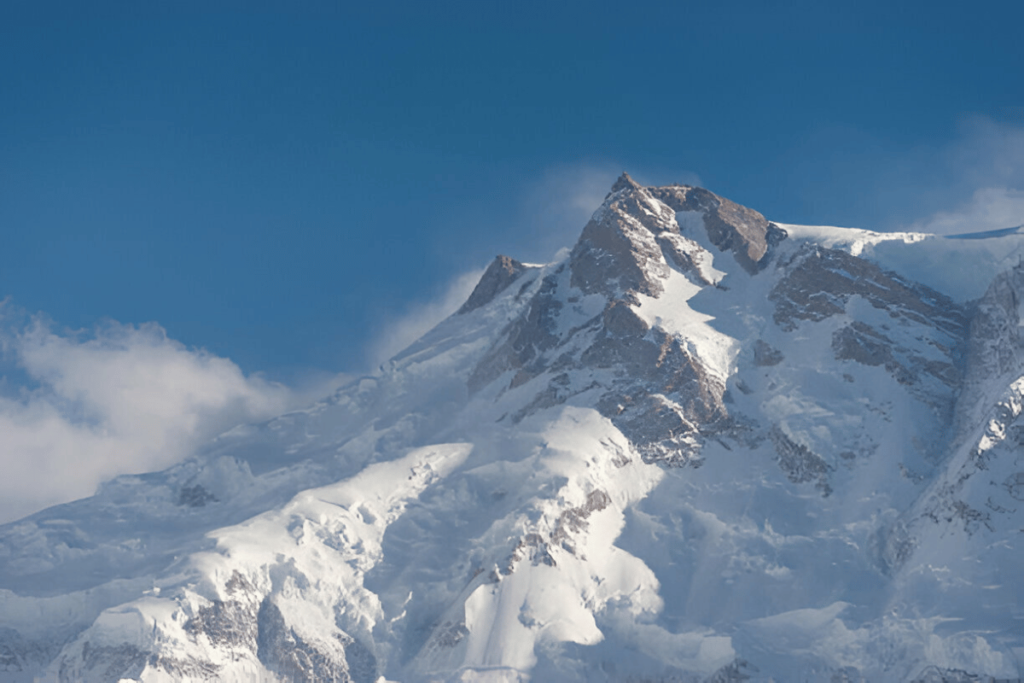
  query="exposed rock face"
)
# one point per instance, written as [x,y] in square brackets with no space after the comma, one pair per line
[650,385]
[662,395]
[979,491]
[195,496]
[621,245]
[819,282]
[525,340]
[125,661]
[800,463]
[618,253]
[249,626]
[864,344]
[226,623]
[285,652]
[995,348]
[730,227]
[18,653]
[502,272]
[766,355]
[653,388]
[935,674]
[687,255]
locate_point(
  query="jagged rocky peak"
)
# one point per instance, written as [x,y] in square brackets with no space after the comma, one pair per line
[649,383]
[618,251]
[624,181]
[502,272]
[621,249]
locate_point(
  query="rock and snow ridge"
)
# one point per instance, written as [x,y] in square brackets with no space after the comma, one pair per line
[702,447]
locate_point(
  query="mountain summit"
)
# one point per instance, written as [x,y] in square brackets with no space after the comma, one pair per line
[702,447]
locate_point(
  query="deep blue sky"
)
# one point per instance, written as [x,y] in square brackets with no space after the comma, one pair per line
[276,185]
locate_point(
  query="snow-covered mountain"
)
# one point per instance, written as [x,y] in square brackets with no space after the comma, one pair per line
[700,447]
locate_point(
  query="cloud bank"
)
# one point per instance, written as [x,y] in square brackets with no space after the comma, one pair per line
[122,399]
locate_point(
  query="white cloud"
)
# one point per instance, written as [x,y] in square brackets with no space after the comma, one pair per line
[987,164]
[400,331]
[990,153]
[123,399]
[990,208]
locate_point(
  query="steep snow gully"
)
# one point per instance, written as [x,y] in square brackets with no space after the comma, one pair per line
[702,447]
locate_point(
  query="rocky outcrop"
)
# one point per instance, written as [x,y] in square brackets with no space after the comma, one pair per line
[618,254]
[801,464]
[935,380]
[282,650]
[621,247]
[662,396]
[195,496]
[523,342]
[730,227]
[819,282]
[766,355]
[20,655]
[653,388]
[245,625]
[126,661]
[995,347]
[502,272]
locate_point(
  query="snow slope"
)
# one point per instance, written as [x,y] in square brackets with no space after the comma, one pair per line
[701,447]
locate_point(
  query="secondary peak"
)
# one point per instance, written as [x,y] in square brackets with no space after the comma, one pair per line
[623,182]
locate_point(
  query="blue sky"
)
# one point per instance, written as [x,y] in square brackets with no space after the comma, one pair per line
[274,185]
[296,190]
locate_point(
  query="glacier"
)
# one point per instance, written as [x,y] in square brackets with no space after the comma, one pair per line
[700,447]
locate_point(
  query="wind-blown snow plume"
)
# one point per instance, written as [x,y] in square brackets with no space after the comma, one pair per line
[562,198]
[398,332]
[545,219]
[989,163]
